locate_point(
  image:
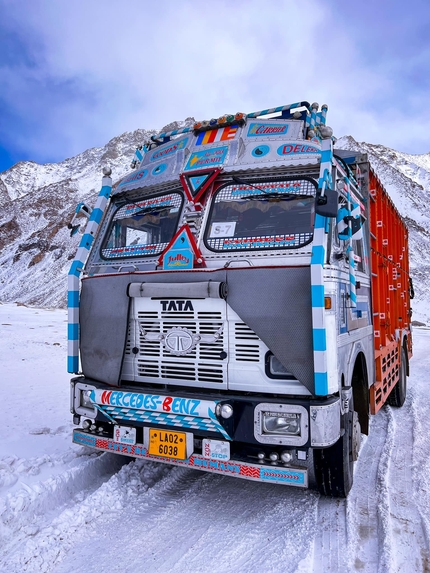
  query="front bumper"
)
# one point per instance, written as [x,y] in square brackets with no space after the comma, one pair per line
[295,476]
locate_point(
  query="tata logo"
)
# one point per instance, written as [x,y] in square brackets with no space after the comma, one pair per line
[175,305]
[180,341]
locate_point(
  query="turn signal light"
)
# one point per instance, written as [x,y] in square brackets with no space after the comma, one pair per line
[327,302]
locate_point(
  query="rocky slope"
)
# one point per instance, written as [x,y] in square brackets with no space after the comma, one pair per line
[38,202]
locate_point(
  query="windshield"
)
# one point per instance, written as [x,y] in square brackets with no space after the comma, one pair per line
[262,215]
[143,228]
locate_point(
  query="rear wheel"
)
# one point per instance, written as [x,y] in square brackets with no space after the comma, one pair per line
[398,393]
[334,466]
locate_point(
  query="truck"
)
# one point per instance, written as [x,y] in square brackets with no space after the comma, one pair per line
[239,303]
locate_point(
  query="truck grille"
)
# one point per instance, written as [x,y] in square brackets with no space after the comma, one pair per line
[246,343]
[200,365]
[207,364]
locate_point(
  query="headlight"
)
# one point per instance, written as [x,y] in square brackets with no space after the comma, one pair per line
[279,423]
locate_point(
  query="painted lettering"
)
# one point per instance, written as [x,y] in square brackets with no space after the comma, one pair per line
[175,305]
[106,397]
[166,403]
[297,148]
[155,402]
[176,405]
[194,406]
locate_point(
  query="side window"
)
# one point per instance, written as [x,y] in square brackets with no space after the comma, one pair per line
[359,255]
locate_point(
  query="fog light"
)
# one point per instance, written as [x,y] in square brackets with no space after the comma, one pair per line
[86,424]
[281,423]
[93,428]
[286,457]
[274,457]
[261,455]
[226,411]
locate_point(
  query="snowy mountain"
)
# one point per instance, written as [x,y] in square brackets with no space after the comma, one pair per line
[39,201]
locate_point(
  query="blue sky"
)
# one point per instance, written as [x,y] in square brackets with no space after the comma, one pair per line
[76,73]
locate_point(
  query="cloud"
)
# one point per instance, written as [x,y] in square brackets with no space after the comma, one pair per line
[85,71]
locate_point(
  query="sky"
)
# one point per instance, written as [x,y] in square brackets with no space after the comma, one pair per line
[75,74]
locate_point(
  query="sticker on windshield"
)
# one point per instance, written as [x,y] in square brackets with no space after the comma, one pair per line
[222,229]
[264,188]
[140,207]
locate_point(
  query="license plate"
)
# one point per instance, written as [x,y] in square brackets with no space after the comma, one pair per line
[168,444]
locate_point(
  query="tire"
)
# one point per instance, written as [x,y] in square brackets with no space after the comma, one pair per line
[397,396]
[334,466]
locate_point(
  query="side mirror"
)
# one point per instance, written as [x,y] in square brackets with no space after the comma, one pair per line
[327,204]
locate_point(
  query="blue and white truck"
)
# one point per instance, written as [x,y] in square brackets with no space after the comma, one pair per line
[240,302]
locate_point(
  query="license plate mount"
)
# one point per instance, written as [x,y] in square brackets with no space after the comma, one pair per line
[169,443]
[124,435]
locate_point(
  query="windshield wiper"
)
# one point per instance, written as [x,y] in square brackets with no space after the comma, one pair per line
[268,194]
[277,196]
[152,209]
[149,209]
[242,182]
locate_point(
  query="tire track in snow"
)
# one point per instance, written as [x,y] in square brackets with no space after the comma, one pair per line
[266,527]
[26,512]
[363,510]
[385,527]
[44,550]
[197,522]
[406,539]
[329,550]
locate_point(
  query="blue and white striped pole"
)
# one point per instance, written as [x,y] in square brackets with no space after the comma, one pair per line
[352,281]
[171,133]
[324,110]
[278,109]
[77,268]
[319,335]
[351,260]
[314,113]
[139,153]
[322,115]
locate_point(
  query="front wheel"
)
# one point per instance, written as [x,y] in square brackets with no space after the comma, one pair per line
[334,466]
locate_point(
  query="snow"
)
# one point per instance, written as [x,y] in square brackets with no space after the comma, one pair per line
[66,509]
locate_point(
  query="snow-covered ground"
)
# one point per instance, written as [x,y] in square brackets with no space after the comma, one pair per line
[64,509]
